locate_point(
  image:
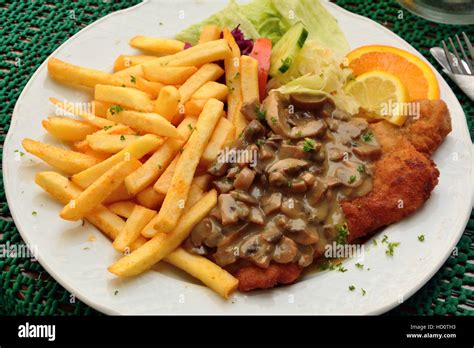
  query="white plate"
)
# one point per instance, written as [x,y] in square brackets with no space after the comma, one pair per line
[80,265]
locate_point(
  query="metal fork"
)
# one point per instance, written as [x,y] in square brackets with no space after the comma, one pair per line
[457,65]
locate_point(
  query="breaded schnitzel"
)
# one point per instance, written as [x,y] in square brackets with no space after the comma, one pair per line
[404,177]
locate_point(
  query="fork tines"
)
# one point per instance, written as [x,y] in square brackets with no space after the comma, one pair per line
[454,60]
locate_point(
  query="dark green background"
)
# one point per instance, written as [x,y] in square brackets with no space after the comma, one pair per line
[31,30]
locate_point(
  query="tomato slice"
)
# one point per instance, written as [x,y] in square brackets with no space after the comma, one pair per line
[262,50]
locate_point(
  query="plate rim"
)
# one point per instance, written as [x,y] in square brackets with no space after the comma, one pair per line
[106,310]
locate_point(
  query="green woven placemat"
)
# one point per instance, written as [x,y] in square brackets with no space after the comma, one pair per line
[31,30]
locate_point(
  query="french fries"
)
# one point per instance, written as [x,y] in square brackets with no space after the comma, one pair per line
[206,271]
[63,190]
[123,209]
[249,79]
[67,129]
[110,143]
[138,218]
[167,103]
[199,55]
[100,108]
[164,181]
[136,150]
[144,122]
[163,244]
[223,133]
[128,97]
[149,87]
[156,120]
[98,122]
[157,45]
[99,190]
[69,162]
[78,76]
[209,33]
[175,199]
[232,75]
[149,172]
[168,75]
[211,89]
[149,198]
[125,61]
[208,72]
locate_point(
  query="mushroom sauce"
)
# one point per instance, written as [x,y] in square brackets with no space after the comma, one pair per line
[284,207]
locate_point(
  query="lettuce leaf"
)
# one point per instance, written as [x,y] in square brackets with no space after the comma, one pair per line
[272,18]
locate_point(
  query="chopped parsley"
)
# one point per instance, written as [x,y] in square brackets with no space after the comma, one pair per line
[363,291]
[342,233]
[21,153]
[261,114]
[352,179]
[122,137]
[116,292]
[260,142]
[290,184]
[115,109]
[367,136]
[159,166]
[308,145]
[236,75]
[299,134]
[421,237]
[274,120]
[385,238]
[341,268]
[352,287]
[107,127]
[190,126]
[133,79]
[359,265]
[34,213]
[361,169]
[374,242]
[391,248]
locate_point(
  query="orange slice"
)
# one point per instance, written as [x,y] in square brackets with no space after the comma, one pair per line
[417,77]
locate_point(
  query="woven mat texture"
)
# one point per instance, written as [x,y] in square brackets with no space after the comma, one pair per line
[31,30]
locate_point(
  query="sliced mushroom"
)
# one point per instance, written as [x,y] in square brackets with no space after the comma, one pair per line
[228,207]
[206,231]
[254,130]
[306,101]
[257,250]
[218,168]
[310,129]
[272,203]
[341,115]
[243,211]
[223,185]
[244,179]
[305,256]
[285,251]
[289,166]
[244,197]
[300,232]
[367,152]
[308,178]
[297,186]
[256,216]
[215,213]
[348,175]
[292,208]
[317,192]
[292,151]
[250,110]
[232,172]
[272,233]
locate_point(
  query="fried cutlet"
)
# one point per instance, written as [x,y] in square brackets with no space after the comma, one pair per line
[403,180]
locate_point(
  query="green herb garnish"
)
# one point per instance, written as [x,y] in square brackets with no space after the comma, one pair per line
[308,145]
[122,137]
[352,287]
[363,292]
[359,265]
[367,136]
[421,237]
[115,109]
[391,248]
[342,233]
[352,179]
[261,114]
[361,169]
[133,79]
[274,120]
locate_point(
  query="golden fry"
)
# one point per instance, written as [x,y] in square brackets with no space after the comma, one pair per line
[67,129]
[208,72]
[128,97]
[167,103]
[139,217]
[157,45]
[209,33]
